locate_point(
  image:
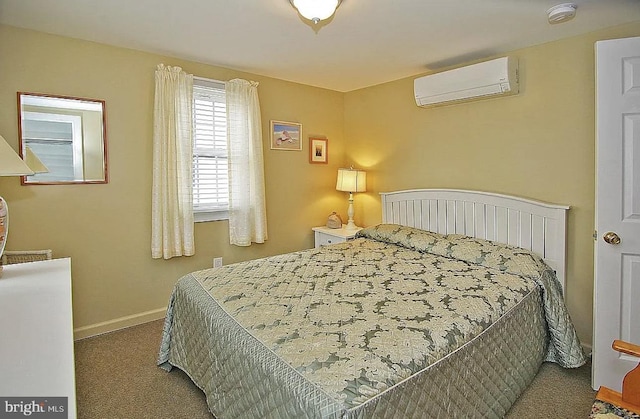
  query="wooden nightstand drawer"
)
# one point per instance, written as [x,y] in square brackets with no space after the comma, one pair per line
[325,236]
[324,239]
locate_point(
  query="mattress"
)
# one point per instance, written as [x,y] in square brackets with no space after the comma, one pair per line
[399,322]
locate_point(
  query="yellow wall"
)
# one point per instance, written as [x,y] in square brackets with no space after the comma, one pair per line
[539,144]
[106,229]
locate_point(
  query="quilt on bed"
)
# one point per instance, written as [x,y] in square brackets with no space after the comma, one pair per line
[345,324]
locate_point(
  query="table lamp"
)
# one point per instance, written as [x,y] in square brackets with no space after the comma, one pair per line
[10,165]
[34,163]
[351,180]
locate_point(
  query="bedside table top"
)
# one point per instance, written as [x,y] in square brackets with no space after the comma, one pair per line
[337,232]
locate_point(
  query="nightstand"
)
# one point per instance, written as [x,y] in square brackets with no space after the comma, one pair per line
[326,235]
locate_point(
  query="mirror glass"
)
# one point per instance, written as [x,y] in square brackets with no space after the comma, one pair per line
[63,139]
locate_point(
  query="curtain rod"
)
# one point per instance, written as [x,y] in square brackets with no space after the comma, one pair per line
[207,79]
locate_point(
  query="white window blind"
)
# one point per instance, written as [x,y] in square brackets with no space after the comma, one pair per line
[210,176]
[57,141]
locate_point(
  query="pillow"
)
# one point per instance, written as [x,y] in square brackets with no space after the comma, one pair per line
[482,252]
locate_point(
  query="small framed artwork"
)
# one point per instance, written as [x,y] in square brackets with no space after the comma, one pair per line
[318,150]
[286,135]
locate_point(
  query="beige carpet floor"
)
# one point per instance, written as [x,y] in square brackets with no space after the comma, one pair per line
[117,378]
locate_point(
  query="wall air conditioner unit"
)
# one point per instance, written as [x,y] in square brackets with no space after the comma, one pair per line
[478,81]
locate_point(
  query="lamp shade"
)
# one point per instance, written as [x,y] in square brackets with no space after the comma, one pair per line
[316,10]
[351,180]
[34,162]
[10,163]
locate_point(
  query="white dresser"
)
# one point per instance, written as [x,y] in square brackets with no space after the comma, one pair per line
[36,332]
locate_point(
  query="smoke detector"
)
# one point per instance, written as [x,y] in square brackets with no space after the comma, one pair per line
[562,13]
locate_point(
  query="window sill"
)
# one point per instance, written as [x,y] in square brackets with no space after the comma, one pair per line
[205,216]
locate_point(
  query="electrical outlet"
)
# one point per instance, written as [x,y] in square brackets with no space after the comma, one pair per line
[217,262]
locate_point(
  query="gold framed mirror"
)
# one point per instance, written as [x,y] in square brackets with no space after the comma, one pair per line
[63,139]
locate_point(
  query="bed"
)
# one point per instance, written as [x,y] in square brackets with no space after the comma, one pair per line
[446,309]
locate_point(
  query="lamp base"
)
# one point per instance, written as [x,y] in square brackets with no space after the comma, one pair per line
[4,226]
[351,225]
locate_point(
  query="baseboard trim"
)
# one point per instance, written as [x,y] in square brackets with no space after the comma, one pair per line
[117,324]
[587,349]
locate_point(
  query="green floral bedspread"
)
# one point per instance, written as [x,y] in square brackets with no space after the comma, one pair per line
[360,317]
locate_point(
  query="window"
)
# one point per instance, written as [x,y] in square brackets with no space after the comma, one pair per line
[57,141]
[210,176]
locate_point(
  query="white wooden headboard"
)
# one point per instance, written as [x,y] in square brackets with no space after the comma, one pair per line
[532,225]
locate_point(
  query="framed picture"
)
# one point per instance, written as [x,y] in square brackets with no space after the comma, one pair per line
[286,135]
[318,150]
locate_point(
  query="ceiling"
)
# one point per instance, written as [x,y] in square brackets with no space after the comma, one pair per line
[367,42]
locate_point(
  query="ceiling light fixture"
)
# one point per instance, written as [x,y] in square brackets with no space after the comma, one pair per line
[316,10]
[561,13]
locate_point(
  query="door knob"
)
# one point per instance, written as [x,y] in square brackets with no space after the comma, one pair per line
[611,238]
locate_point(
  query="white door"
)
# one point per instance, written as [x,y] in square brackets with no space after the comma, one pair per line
[617,266]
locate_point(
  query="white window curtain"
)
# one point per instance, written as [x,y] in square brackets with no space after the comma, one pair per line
[172,206]
[247,208]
